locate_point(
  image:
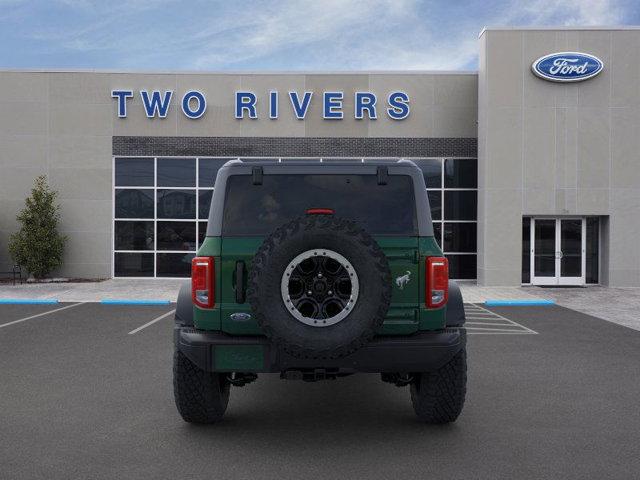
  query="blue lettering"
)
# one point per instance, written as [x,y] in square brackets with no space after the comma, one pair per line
[398,105]
[200,100]
[300,109]
[122,96]
[332,105]
[156,105]
[246,101]
[365,101]
[273,105]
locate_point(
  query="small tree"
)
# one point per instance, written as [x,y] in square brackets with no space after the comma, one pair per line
[38,246]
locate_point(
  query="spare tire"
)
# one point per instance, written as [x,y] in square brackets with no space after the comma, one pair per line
[319,286]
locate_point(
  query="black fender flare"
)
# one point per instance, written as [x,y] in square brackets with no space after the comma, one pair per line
[184,307]
[455,306]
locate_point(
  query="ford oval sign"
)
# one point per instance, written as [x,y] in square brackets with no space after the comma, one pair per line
[567,66]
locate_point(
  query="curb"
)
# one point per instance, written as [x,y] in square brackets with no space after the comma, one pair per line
[28,301]
[518,303]
[115,301]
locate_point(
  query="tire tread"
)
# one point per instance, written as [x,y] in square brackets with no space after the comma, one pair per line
[201,397]
[438,397]
[275,240]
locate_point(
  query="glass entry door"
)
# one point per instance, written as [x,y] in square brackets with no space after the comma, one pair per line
[558,251]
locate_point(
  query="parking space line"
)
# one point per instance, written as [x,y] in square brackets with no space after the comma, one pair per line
[512,332]
[164,315]
[508,320]
[497,329]
[489,324]
[486,318]
[39,315]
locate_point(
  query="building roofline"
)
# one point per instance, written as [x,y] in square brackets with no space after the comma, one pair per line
[561,27]
[237,72]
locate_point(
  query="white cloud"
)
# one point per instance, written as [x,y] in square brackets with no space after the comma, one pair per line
[337,24]
[303,34]
[570,12]
[385,35]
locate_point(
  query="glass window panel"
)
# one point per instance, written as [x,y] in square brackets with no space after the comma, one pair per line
[460,173]
[204,202]
[133,235]
[435,203]
[174,264]
[571,248]
[176,235]
[176,203]
[134,203]
[437,233]
[133,264]
[202,232]
[526,250]
[134,172]
[208,170]
[462,267]
[460,205]
[544,262]
[176,172]
[593,240]
[431,171]
[460,237]
[381,209]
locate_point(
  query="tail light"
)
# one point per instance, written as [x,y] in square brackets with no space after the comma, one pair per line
[203,282]
[437,281]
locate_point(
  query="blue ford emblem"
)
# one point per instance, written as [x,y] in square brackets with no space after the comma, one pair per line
[240,317]
[567,66]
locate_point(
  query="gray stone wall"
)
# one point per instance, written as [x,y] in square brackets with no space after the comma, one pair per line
[63,124]
[558,149]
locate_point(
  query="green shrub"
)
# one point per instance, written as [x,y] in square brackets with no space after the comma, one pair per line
[37,246]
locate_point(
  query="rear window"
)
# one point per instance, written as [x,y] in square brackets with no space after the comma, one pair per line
[259,209]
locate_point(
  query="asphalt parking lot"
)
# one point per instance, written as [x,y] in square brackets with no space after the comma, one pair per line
[86,394]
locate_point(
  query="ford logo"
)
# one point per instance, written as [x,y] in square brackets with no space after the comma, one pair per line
[567,67]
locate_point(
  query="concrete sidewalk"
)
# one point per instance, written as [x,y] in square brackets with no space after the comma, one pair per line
[618,305]
[614,304]
[121,289]
[167,289]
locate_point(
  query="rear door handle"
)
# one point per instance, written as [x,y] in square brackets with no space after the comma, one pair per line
[240,288]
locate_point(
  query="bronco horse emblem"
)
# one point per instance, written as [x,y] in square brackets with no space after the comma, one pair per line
[402,280]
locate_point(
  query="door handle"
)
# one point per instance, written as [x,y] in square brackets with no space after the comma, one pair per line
[240,275]
[559,255]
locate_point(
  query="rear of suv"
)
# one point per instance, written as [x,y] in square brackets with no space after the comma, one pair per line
[316,271]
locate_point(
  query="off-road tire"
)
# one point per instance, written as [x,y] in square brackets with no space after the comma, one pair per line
[438,397]
[201,397]
[317,232]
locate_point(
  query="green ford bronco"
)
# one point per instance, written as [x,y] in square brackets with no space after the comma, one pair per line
[318,270]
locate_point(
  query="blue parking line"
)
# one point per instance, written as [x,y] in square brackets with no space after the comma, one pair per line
[28,301]
[115,301]
[518,303]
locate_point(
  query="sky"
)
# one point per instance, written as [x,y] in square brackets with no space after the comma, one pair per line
[277,35]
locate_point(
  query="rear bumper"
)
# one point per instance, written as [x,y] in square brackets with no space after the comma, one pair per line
[420,352]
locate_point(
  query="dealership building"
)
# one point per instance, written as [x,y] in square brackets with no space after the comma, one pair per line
[532,163]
